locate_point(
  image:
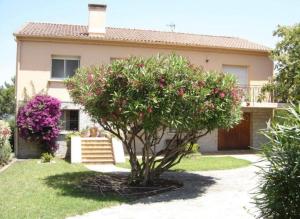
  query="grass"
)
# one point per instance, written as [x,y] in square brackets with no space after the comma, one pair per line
[29,189]
[204,163]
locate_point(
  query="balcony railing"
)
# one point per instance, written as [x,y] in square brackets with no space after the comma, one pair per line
[252,94]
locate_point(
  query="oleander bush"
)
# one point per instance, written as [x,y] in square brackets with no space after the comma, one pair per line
[279,191]
[5,148]
[137,99]
[38,121]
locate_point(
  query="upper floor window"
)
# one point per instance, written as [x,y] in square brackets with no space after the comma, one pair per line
[241,73]
[64,67]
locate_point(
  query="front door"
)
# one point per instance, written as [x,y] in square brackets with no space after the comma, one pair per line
[237,137]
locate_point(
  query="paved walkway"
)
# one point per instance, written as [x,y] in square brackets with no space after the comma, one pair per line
[207,194]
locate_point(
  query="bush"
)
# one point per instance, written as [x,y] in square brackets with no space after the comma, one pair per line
[193,148]
[12,126]
[5,148]
[137,99]
[38,121]
[46,157]
[279,193]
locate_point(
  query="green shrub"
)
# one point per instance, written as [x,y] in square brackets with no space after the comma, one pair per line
[70,134]
[46,157]
[5,152]
[279,192]
[194,148]
[5,148]
[137,99]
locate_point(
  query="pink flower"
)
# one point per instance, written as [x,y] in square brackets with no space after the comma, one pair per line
[215,90]
[222,95]
[90,78]
[149,109]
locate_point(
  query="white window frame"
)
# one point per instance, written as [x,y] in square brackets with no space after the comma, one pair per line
[64,120]
[65,58]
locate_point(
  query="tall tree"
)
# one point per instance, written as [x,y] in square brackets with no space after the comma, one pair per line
[137,100]
[285,86]
[7,99]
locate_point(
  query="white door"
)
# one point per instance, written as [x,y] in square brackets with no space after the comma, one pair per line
[240,72]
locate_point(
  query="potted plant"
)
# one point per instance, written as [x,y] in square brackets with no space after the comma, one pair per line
[93,131]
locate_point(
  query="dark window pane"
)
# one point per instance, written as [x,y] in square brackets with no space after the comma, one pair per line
[71,66]
[70,120]
[74,116]
[57,68]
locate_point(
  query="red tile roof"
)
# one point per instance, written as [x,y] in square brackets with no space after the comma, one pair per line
[139,36]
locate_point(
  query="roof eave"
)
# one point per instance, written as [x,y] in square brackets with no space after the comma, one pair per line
[100,40]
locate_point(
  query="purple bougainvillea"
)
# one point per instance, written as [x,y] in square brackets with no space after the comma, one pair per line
[38,121]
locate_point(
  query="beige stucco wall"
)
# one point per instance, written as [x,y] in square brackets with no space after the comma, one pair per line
[34,73]
[34,63]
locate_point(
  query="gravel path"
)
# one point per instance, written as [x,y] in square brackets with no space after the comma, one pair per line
[207,194]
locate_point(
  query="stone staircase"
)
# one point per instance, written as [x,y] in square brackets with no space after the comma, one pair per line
[97,151]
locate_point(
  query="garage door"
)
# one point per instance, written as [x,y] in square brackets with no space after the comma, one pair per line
[237,137]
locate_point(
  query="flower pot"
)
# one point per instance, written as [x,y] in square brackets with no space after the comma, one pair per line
[93,132]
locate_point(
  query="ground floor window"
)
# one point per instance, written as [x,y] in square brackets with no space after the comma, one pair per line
[70,120]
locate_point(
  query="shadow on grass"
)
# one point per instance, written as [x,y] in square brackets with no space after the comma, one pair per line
[68,184]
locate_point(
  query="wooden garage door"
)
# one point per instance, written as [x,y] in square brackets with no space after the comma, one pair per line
[237,137]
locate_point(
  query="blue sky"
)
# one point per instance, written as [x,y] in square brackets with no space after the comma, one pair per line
[254,20]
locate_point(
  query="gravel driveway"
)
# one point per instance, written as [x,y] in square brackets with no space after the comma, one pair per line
[206,194]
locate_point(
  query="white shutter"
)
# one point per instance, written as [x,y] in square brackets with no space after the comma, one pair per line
[239,71]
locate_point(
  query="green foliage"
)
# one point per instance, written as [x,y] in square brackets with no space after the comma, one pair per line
[7,99]
[279,192]
[155,92]
[46,157]
[5,149]
[193,148]
[5,152]
[139,98]
[70,134]
[12,126]
[285,86]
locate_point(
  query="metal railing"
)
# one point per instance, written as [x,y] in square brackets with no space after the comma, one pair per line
[252,94]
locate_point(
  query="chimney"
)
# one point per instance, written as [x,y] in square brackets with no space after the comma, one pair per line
[97,19]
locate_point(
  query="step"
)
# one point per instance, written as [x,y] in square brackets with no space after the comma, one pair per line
[95,142]
[98,162]
[96,151]
[96,147]
[97,156]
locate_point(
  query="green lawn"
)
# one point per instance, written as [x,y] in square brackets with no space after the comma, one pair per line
[202,163]
[32,190]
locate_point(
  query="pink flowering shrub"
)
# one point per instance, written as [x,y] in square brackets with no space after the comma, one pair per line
[38,121]
[138,99]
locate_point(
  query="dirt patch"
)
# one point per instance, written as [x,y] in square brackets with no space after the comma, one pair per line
[107,184]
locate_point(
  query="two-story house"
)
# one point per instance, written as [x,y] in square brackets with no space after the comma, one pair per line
[48,53]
